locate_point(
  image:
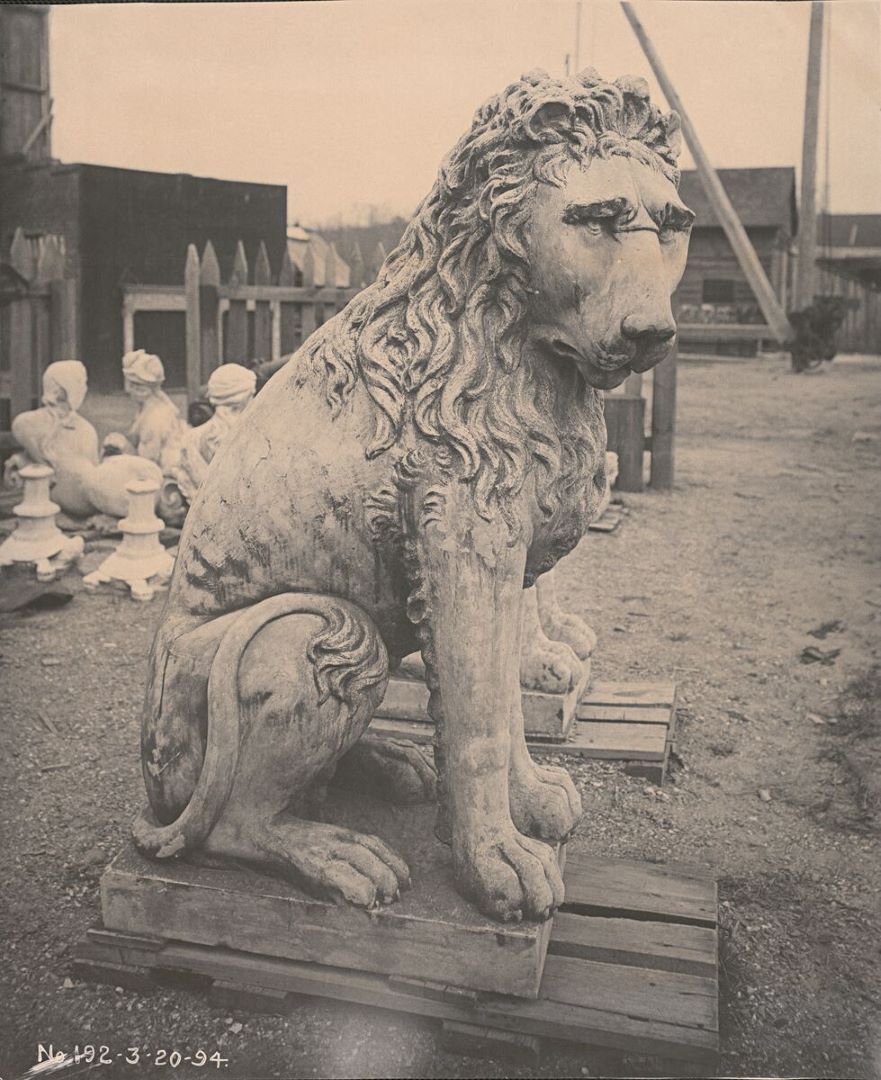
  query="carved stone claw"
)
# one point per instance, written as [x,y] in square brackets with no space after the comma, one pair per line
[544,802]
[326,860]
[510,876]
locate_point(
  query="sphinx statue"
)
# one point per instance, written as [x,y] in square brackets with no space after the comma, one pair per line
[430,451]
[158,429]
[56,435]
[230,389]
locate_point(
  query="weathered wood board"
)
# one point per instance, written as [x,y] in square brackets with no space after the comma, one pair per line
[430,929]
[630,722]
[631,965]
[544,715]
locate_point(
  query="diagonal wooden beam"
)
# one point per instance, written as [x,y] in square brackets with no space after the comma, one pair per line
[752,269]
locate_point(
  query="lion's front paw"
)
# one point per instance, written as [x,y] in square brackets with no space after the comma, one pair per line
[544,802]
[509,876]
[573,631]
[550,667]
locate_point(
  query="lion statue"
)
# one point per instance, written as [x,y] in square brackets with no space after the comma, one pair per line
[425,455]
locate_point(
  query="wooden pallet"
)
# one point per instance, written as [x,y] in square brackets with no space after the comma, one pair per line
[632,966]
[607,522]
[630,722]
[545,716]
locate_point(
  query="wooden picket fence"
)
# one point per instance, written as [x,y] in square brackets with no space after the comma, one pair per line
[250,318]
[37,321]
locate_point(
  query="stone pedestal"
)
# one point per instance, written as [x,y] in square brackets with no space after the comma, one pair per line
[140,561]
[37,538]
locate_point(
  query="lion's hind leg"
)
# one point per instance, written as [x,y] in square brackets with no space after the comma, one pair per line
[307,684]
[395,770]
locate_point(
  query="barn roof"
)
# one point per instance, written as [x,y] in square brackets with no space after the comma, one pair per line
[763,198]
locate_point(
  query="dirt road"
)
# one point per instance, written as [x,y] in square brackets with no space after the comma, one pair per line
[772,532]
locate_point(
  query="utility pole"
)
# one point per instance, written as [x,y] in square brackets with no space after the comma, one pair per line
[577,65]
[807,219]
[752,269]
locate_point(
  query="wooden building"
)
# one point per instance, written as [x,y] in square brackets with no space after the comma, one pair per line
[714,289]
[122,226]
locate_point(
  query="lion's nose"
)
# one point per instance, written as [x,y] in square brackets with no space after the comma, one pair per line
[646,332]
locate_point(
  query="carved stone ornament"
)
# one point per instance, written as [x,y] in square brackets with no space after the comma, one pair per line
[426,454]
[37,539]
[56,435]
[140,561]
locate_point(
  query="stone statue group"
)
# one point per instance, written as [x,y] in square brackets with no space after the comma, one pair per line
[159,446]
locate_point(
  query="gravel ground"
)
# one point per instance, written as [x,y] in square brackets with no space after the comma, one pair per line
[772,532]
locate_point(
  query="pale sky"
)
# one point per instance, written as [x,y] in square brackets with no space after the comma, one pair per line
[353,103]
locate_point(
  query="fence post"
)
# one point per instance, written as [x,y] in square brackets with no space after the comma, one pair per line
[309,312]
[235,342]
[288,330]
[379,258]
[193,323]
[209,310]
[357,268]
[625,422]
[21,358]
[262,312]
[663,423]
[63,318]
[21,255]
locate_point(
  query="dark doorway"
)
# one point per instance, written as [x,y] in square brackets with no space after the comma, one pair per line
[164,333]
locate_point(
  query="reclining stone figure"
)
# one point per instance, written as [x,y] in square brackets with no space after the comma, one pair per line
[428,452]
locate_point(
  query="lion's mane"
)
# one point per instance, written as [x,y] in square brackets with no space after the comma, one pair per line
[437,338]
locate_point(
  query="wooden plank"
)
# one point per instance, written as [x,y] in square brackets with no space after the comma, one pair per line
[661,472]
[625,421]
[577,1023]
[235,340]
[21,355]
[193,323]
[724,331]
[209,310]
[643,984]
[634,714]
[688,1000]
[649,694]
[617,741]
[308,313]
[21,255]
[262,312]
[257,914]
[405,699]
[416,731]
[639,890]
[663,946]
[544,715]
[483,1041]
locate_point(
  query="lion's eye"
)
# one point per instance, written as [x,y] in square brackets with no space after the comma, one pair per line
[608,214]
[674,221]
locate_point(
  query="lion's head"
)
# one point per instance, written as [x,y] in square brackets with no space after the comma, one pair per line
[538,269]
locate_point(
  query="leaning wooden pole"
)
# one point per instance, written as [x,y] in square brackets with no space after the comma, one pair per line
[752,269]
[807,223]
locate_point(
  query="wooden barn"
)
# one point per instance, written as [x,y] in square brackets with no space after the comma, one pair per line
[73,236]
[714,289]
[122,226]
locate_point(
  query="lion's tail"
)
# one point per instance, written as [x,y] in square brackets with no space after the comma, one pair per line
[348,658]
